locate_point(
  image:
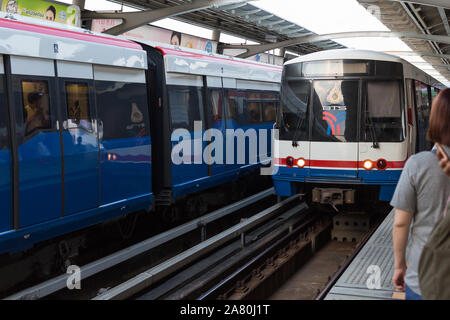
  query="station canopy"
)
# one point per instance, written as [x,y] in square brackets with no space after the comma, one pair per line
[423,25]
[242,20]
[429,17]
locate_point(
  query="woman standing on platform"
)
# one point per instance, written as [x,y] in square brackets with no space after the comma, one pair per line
[419,200]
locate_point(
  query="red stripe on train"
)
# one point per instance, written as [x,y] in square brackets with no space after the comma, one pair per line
[339,164]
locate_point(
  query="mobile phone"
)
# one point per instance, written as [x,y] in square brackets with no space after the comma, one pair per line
[441,150]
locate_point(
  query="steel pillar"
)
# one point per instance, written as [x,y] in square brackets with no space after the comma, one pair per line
[80,3]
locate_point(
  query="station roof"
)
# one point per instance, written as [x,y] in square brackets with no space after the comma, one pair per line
[243,20]
[422,17]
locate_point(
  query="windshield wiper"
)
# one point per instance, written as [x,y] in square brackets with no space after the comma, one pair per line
[299,124]
[373,134]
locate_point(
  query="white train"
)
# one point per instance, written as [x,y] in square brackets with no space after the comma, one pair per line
[348,121]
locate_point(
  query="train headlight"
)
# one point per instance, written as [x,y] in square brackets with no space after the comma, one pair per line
[301,162]
[381,164]
[290,161]
[368,165]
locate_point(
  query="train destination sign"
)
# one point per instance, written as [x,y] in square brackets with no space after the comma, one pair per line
[44,10]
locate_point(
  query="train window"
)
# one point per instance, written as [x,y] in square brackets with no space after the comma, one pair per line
[270,107]
[78,110]
[254,107]
[235,105]
[335,109]
[294,110]
[185,106]
[434,92]
[123,109]
[4,144]
[383,120]
[423,108]
[216,105]
[36,106]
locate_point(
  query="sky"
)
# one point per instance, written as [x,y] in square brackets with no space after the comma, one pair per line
[319,16]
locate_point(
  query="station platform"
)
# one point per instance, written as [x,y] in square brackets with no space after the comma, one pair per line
[378,251]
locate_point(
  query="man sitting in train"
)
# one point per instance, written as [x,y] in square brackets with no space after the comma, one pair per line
[35,117]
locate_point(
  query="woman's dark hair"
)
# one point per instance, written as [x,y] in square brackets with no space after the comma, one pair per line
[52,9]
[438,130]
[176,34]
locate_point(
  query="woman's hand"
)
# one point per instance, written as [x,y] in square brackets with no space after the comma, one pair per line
[398,279]
[402,222]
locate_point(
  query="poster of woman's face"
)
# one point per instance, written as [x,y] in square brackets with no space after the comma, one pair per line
[175,38]
[12,7]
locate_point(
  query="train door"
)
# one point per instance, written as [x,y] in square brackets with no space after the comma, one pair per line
[334,146]
[185,97]
[124,134]
[5,159]
[423,109]
[216,120]
[80,137]
[38,140]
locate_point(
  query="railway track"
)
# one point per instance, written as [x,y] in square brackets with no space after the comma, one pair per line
[249,260]
[119,262]
[259,271]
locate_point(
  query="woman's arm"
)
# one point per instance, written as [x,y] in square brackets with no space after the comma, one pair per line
[400,233]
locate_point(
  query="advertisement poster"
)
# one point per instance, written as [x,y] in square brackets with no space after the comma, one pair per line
[44,10]
[156,34]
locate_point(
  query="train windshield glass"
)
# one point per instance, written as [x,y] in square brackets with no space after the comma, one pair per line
[294,108]
[382,112]
[335,109]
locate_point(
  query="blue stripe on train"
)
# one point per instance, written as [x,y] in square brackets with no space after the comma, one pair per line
[285,178]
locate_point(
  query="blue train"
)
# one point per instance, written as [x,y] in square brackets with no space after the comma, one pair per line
[86,123]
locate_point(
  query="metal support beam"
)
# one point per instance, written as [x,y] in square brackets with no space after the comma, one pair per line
[258,19]
[433,3]
[421,54]
[444,20]
[246,13]
[132,20]
[270,24]
[259,48]
[233,6]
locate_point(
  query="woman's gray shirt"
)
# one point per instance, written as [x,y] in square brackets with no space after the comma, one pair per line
[422,190]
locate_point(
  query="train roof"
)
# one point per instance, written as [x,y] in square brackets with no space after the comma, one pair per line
[45,39]
[410,70]
[346,54]
[197,62]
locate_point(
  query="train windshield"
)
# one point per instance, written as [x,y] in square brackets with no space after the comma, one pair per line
[358,105]
[294,109]
[335,109]
[382,112]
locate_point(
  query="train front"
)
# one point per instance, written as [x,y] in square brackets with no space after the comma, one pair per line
[342,129]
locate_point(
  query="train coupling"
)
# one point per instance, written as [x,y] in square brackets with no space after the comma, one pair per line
[333,196]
